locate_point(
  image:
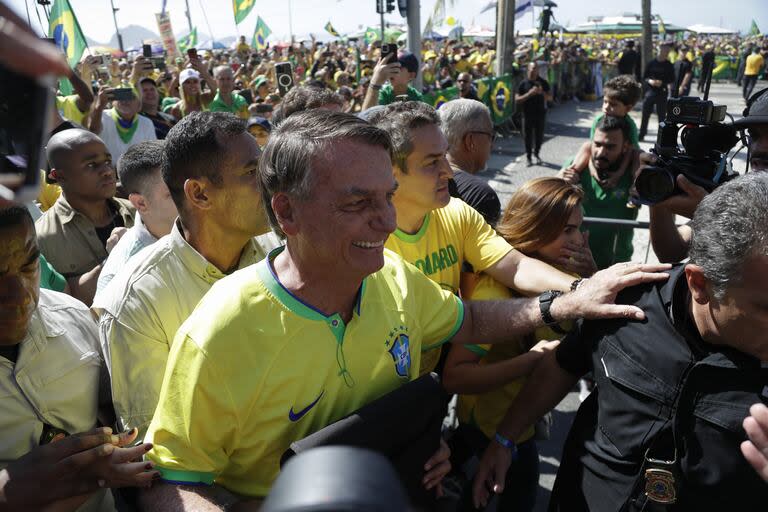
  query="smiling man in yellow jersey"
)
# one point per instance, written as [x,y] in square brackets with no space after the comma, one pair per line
[283,348]
[437,233]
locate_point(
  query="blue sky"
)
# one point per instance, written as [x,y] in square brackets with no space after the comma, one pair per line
[347,15]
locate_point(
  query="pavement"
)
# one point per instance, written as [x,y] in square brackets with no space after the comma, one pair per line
[567,129]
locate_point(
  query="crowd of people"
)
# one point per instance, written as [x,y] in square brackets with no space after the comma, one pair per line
[217,268]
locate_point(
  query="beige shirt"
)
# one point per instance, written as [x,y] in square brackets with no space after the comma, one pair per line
[56,380]
[140,311]
[68,239]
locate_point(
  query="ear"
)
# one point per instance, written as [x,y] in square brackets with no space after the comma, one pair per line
[284,213]
[697,284]
[138,201]
[57,176]
[467,142]
[196,193]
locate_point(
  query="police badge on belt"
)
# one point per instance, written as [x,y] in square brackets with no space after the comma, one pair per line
[660,481]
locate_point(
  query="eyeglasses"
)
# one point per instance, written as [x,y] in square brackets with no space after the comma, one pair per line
[489,134]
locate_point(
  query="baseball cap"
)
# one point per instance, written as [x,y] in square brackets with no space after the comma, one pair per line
[147,79]
[756,111]
[408,61]
[187,74]
[260,121]
[259,81]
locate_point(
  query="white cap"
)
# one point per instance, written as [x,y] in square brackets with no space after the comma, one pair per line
[187,74]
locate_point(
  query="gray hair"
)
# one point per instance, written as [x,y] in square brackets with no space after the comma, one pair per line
[461,116]
[730,226]
[286,165]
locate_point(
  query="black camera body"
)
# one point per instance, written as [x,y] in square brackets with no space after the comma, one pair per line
[705,140]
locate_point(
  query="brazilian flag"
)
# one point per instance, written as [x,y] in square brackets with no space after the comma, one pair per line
[501,98]
[65,30]
[753,29]
[443,96]
[188,41]
[483,86]
[260,35]
[371,35]
[329,28]
[242,8]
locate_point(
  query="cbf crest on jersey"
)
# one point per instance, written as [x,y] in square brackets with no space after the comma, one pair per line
[400,350]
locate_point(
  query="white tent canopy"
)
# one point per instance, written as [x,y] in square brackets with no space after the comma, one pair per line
[707,29]
[478,31]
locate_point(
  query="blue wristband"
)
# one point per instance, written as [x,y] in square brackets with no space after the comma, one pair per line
[507,443]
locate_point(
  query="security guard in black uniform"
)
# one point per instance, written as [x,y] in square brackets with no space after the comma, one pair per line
[658,77]
[663,428]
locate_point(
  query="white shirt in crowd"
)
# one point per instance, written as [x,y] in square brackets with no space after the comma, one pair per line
[115,145]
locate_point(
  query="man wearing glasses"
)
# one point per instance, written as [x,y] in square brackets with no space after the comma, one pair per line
[468,128]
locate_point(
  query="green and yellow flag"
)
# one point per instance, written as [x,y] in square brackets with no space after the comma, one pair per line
[65,30]
[241,9]
[372,34]
[662,28]
[753,30]
[260,35]
[329,28]
[188,41]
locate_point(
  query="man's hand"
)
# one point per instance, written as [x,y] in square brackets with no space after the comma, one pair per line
[491,473]
[756,449]
[544,346]
[384,71]
[594,299]
[141,66]
[654,83]
[24,52]
[73,466]
[436,468]
[578,258]
[684,204]
[115,237]
[103,98]
[570,174]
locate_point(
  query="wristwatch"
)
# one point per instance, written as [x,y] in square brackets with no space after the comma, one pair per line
[545,302]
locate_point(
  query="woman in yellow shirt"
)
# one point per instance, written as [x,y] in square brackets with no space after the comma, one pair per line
[542,220]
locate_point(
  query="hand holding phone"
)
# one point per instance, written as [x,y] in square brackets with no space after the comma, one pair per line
[192,53]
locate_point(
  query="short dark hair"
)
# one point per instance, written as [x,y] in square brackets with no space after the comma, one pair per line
[13,215]
[623,88]
[398,119]
[610,123]
[304,98]
[139,165]
[285,165]
[193,149]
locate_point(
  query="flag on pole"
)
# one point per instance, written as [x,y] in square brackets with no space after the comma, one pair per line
[372,34]
[65,30]
[260,35]
[753,30]
[241,9]
[329,28]
[522,7]
[662,28]
[188,41]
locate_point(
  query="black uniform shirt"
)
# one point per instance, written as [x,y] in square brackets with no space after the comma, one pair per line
[476,193]
[643,372]
[657,70]
[534,106]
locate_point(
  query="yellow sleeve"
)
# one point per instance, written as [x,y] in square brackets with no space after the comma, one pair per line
[483,247]
[195,425]
[438,311]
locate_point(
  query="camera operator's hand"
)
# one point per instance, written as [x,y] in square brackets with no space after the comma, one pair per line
[684,204]
[384,70]
[25,53]
[595,297]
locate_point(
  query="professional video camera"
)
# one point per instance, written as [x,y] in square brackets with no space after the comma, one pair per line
[706,143]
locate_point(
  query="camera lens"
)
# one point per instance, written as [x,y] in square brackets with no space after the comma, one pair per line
[655,184]
[284,80]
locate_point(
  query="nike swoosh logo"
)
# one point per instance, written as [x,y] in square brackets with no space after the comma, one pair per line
[296,416]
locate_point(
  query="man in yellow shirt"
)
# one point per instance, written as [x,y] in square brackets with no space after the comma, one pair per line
[439,234]
[331,322]
[752,69]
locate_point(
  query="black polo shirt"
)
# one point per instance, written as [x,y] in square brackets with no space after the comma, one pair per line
[534,106]
[476,193]
[657,70]
[645,372]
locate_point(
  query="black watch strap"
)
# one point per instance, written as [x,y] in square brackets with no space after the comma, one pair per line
[545,303]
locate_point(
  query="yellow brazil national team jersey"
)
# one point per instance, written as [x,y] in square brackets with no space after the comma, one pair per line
[486,410]
[448,237]
[254,369]
[67,106]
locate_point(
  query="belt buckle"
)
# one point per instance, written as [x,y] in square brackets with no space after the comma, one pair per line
[660,481]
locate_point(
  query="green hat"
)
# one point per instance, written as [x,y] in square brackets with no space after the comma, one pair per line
[167,104]
[259,81]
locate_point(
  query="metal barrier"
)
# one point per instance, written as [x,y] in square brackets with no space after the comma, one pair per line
[623,224]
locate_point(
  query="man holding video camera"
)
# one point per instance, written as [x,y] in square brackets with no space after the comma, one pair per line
[670,242]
